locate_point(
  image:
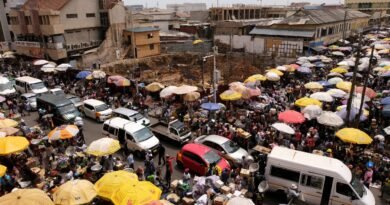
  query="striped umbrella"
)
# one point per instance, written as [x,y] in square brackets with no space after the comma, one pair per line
[63,132]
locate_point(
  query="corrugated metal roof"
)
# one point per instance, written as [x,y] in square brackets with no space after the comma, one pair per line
[280,32]
[45,4]
[142,29]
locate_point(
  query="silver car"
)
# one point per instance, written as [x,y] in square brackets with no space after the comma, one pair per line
[227,148]
[31,99]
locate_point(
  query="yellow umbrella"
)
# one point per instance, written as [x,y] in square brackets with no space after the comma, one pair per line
[74,192]
[339,70]
[256,77]
[9,145]
[192,96]
[26,197]
[197,42]
[136,194]
[230,95]
[154,87]
[4,123]
[313,85]
[111,181]
[3,170]
[344,85]
[63,132]
[103,146]
[303,102]
[278,72]
[354,136]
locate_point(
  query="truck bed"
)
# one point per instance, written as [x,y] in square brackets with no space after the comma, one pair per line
[159,128]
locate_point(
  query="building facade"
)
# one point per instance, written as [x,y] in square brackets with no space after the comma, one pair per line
[369,6]
[58,29]
[144,43]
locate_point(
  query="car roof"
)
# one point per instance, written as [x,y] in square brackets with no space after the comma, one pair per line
[27,95]
[68,96]
[58,100]
[93,102]
[55,89]
[216,139]
[125,111]
[28,79]
[118,122]
[198,149]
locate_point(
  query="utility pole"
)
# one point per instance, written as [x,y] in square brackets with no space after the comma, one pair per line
[215,48]
[352,91]
[345,23]
[380,21]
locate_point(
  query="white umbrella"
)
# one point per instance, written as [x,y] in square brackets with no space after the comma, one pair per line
[338,53]
[312,111]
[387,130]
[271,76]
[335,80]
[313,58]
[283,127]
[330,119]
[322,96]
[63,67]
[380,137]
[40,62]
[335,75]
[48,68]
[240,201]
[98,74]
[184,89]
[337,93]
[281,68]
[342,63]
[168,91]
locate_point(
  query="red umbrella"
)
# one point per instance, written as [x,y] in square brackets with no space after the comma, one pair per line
[369,92]
[291,116]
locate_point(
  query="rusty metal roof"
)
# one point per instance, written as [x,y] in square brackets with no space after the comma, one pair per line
[281,32]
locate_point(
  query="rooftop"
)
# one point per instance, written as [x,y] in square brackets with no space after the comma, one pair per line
[45,4]
[281,32]
[142,29]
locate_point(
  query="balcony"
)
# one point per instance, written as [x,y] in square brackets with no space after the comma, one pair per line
[54,29]
[28,48]
[56,54]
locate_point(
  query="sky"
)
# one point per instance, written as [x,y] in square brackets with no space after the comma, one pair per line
[210,3]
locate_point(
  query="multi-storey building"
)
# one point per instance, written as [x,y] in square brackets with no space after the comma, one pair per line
[369,6]
[57,29]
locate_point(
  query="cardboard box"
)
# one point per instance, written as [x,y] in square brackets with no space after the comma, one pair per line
[188,201]
[174,184]
[173,198]
[225,189]
[245,173]
[219,184]
[165,202]
[243,192]
[219,200]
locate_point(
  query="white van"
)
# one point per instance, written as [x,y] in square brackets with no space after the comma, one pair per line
[6,87]
[321,180]
[27,84]
[131,115]
[139,138]
[96,109]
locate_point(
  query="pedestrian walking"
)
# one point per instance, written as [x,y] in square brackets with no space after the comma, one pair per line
[168,170]
[161,155]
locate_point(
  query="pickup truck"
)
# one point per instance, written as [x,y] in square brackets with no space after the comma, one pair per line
[174,130]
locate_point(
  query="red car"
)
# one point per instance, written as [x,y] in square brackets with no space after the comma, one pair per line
[198,157]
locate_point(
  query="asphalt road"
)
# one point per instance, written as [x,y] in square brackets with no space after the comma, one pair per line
[93,131]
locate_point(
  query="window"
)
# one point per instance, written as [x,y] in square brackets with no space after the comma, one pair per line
[323,32]
[105,127]
[89,107]
[150,35]
[121,135]
[27,19]
[312,181]
[128,136]
[344,189]
[90,15]
[71,16]
[151,46]
[285,174]
[112,130]
[193,157]
[173,131]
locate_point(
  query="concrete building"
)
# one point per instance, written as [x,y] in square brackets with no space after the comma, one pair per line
[144,43]
[369,6]
[58,29]
[242,12]
[187,7]
[163,19]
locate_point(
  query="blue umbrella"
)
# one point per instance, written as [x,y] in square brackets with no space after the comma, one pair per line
[304,70]
[354,111]
[370,164]
[83,74]
[210,106]
[385,101]
[319,64]
[324,83]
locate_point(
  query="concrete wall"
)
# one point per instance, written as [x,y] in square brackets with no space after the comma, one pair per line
[245,42]
[82,36]
[186,46]
[81,8]
[117,14]
[142,38]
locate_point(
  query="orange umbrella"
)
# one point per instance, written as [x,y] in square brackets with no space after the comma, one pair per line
[369,92]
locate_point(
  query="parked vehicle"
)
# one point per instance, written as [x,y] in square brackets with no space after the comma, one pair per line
[321,180]
[138,138]
[225,147]
[6,87]
[131,115]
[27,84]
[31,99]
[75,100]
[174,130]
[198,158]
[97,110]
[62,109]
[57,91]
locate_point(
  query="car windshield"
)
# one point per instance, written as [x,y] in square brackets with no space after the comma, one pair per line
[212,157]
[66,108]
[137,116]
[59,92]
[142,134]
[101,107]
[358,186]
[180,127]
[36,86]
[5,86]
[230,146]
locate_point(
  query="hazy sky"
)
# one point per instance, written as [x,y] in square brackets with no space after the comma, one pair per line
[162,3]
